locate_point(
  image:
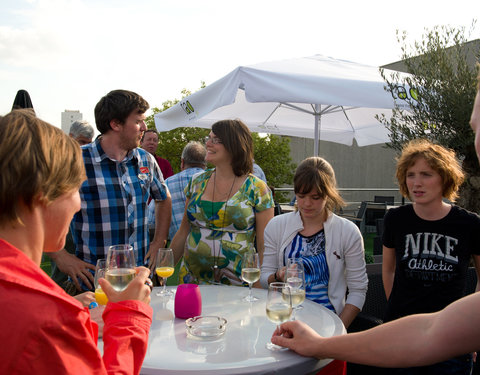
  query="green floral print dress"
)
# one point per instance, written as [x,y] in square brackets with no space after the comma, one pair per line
[221,232]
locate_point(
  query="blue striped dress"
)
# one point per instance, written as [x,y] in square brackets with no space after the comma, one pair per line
[312,252]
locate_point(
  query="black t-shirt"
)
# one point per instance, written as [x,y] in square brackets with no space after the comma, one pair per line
[432,258]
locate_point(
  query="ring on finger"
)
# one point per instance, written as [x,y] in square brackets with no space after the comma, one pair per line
[149,283]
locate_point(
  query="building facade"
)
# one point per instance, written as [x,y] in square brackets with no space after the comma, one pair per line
[68,118]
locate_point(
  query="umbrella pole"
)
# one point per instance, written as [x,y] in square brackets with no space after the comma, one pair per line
[317,129]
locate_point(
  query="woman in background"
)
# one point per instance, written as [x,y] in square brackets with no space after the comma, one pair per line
[226,211]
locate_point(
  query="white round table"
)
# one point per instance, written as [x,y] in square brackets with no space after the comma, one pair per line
[241,350]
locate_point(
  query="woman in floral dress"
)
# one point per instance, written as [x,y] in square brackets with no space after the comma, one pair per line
[226,212]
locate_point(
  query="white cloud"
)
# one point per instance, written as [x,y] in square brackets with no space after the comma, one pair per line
[68,53]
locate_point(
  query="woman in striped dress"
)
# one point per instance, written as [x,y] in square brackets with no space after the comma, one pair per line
[330,247]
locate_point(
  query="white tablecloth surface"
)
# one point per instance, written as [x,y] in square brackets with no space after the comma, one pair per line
[241,350]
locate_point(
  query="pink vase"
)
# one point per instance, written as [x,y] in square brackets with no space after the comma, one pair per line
[188,301]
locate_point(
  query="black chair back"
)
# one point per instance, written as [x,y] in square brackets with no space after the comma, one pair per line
[384,199]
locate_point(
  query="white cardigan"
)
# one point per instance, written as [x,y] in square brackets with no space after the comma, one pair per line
[344,252]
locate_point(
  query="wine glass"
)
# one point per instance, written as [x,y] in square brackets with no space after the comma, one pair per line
[279,307]
[250,273]
[120,268]
[165,268]
[100,295]
[295,263]
[295,278]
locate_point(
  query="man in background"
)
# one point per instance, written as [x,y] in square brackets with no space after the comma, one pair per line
[120,179]
[192,162]
[82,132]
[150,143]
[258,172]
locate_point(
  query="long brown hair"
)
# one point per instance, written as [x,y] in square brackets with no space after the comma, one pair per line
[237,140]
[315,173]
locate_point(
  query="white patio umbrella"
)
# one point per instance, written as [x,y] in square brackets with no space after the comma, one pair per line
[314,97]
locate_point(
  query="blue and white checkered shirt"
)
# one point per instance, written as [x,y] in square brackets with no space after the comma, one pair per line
[257,171]
[114,202]
[176,185]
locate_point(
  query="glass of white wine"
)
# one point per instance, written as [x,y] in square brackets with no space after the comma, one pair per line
[250,273]
[120,267]
[296,264]
[295,278]
[279,307]
[164,269]
[100,295]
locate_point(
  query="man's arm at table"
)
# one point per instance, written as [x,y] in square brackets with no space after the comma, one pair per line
[415,340]
[74,267]
[163,216]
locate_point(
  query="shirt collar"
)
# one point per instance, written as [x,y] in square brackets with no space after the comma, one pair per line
[99,154]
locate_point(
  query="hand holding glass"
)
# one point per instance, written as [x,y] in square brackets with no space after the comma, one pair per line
[165,268]
[279,307]
[100,295]
[120,266]
[250,273]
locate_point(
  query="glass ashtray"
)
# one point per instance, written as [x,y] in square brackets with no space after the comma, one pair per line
[206,327]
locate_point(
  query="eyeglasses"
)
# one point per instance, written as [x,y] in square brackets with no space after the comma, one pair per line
[214,140]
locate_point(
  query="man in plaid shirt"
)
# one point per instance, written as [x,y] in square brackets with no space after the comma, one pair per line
[120,179]
[193,161]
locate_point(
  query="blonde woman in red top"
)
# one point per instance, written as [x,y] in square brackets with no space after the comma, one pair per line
[44,330]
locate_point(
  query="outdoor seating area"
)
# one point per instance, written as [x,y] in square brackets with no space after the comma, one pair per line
[369,216]
[390,200]
[277,189]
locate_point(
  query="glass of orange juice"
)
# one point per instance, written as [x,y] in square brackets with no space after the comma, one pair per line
[165,269]
[100,295]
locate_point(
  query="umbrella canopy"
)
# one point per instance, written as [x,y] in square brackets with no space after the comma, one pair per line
[316,97]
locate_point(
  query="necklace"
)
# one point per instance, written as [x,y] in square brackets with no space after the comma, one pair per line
[215,254]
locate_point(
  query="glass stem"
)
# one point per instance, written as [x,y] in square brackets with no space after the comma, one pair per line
[250,290]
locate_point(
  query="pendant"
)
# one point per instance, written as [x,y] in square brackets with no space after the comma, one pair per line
[216,275]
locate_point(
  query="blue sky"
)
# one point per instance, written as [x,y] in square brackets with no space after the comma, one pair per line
[69,53]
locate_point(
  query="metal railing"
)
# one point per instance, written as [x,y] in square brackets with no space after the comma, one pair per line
[344,189]
[349,203]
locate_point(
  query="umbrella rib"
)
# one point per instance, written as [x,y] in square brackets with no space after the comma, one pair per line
[291,106]
[271,114]
[338,108]
[351,125]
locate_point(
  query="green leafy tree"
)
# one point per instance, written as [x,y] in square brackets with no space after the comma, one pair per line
[443,90]
[171,143]
[272,153]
